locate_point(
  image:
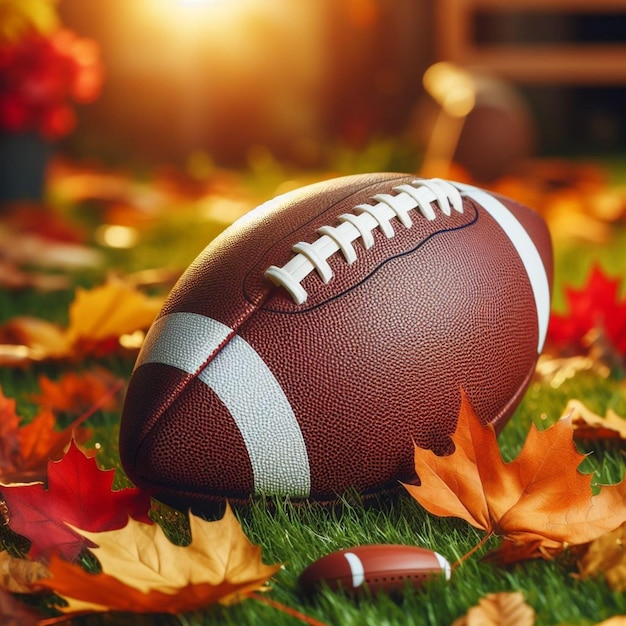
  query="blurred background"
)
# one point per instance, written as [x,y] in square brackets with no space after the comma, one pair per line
[232,83]
[301,77]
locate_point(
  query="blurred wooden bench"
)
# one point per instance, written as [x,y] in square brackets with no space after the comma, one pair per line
[565,63]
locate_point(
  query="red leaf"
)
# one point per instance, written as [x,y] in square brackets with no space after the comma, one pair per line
[79,493]
[596,306]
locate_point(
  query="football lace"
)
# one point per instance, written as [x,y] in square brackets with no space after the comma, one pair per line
[418,196]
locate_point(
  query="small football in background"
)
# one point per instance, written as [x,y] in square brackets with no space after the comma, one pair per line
[375,568]
[320,336]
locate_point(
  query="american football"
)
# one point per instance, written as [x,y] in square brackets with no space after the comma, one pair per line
[320,336]
[376,568]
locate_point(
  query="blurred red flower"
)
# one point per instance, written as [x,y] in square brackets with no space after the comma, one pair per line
[41,76]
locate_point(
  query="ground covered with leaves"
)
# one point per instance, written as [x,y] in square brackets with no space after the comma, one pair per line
[533,521]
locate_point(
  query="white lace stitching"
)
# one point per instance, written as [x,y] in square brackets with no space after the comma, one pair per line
[313,256]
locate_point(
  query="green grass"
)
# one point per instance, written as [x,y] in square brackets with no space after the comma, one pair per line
[296,535]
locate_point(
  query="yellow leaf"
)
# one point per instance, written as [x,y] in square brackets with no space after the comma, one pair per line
[110,310]
[98,318]
[37,338]
[499,609]
[142,571]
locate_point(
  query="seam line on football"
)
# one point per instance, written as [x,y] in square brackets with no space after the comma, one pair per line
[309,257]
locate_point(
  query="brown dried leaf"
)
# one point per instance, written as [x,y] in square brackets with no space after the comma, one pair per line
[509,552]
[499,609]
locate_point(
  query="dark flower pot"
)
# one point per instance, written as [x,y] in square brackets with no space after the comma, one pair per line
[23,160]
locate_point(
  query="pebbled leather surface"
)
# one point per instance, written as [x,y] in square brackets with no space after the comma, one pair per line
[372,362]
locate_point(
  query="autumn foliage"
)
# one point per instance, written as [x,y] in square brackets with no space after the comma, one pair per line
[595,312]
[539,501]
[90,539]
[98,320]
[26,448]
[142,570]
[78,494]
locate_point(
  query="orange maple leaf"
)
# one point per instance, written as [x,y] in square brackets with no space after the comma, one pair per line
[109,311]
[143,572]
[76,392]
[9,441]
[539,497]
[25,450]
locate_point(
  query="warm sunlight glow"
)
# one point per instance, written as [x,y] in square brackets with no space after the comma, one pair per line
[116,236]
[199,31]
[216,73]
[194,15]
[452,87]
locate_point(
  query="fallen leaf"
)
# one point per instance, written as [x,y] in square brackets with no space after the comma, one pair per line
[99,317]
[499,609]
[41,219]
[538,497]
[15,613]
[588,425]
[40,443]
[80,494]
[595,307]
[606,555]
[76,392]
[557,370]
[143,572]
[26,450]
[109,311]
[20,575]
[25,339]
